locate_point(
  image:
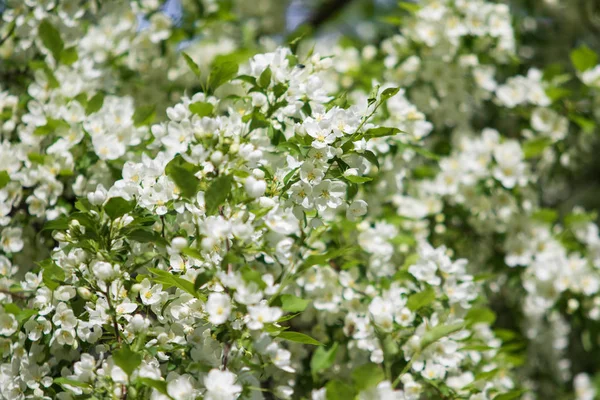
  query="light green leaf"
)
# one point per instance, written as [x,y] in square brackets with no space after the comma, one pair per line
[291,303]
[440,331]
[357,179]
[584,58]
[71,382]
[480,315]
[127,360]
[535,147]
[389,92]
[298,338]
[193,66]
[421,299]
[201,108]
[367,376]
[323,358]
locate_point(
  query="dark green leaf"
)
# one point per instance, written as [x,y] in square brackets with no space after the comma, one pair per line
[117,207]
[143,115]
[4,179]
[389,92]
[265,78]
[69,56]
[480,315]
[183,174]
[217,193]
[50,37]
[338,390]
[381,132]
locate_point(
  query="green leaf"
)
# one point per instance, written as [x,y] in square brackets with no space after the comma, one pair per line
[366,376]
[161,386]
[71,382]
[191,252]
[217,193]
[222,71]
[338,390]
[513,394]
[193,66]
[546,215]
[127,360]
[421,299]
[247,78]
[389,92]
[299,338]
[586,124]
[144,115]
[371,157]
[440,331]
[201,279]
[321,259]
[69,56]
[146,236]
[480,315]
[264,80]
[323,359]
[95,103]
[535,147]
[50,37]
[61,223]
[357,179]
[52,274]
[4,179]
[381,132]
[51,126]
[168,279]
[183,174]
[201,108]
[410,7]
[117,207]
[584,58]
[291,303]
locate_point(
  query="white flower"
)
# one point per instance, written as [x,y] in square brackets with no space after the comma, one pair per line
[11,241]
[255,187]
[181,387]
[262,314]
[218,308]
[8,324]
[105,271]
[220,385]
[358,208]
[150,294]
